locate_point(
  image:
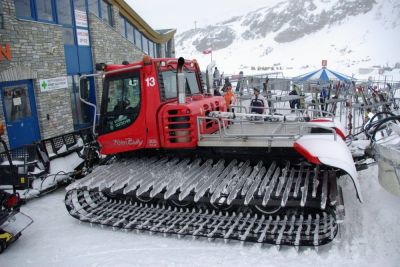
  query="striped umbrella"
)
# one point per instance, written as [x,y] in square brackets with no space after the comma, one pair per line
[325,75]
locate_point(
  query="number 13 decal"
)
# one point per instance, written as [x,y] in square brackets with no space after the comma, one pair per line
[150,82]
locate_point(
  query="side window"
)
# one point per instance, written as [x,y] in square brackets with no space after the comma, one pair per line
[169,81]
[106,12]
[23,8]
[122,25]
[64,12]
[44,10]
[138,39]
[192,81]
[123,95]
[94,7]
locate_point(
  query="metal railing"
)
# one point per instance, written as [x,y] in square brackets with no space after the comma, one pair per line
[280,132]
[303,114]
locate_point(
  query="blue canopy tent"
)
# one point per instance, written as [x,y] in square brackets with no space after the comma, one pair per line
[323,75]
[323,84]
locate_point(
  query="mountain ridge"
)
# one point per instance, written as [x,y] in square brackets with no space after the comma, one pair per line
[343,30]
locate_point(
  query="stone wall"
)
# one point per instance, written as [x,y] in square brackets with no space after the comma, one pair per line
[37,51]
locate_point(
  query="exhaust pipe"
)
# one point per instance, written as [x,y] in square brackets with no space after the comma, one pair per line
[210,78]
[181,81]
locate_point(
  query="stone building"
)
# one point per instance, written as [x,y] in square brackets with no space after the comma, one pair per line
[45,45]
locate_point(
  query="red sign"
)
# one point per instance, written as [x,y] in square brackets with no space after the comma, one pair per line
[324,63]
[6,52]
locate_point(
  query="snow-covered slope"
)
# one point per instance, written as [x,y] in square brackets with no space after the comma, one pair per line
[294,36]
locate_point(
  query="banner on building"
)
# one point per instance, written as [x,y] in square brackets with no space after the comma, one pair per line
[81,18]
[83,37]
[53,84]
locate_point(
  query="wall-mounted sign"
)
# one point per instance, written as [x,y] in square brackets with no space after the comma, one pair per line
[83,37]
[17,101]
[5,51]
[81,18]
[53,84]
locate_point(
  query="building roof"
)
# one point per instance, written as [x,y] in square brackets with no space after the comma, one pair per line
[160,36]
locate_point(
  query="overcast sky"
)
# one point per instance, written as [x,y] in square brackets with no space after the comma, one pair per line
[182,14]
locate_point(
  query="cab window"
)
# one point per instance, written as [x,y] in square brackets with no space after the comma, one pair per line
[121,103]
[168,82]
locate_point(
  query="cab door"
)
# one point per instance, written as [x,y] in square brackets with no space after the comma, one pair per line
[122,117]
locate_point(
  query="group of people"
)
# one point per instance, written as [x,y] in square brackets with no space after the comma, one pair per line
[257,102]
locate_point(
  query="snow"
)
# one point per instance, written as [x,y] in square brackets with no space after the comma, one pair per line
[369,237]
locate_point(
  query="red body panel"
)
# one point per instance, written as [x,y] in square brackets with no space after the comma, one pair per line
[161,124]
[305,153]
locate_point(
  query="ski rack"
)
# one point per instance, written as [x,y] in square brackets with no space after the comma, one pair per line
[301,114]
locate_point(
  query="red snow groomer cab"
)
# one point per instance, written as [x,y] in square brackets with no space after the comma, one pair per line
[142,108]
[185,166]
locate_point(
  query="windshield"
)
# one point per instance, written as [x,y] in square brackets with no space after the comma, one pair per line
[168,80]
[122,104]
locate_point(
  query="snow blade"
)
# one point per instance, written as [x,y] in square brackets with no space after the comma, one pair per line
[331,151]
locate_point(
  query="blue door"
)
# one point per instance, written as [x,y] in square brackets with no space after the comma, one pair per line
[19,109]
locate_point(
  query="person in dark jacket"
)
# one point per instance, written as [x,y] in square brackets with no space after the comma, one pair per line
[257,102]
[216,77]
[296,102]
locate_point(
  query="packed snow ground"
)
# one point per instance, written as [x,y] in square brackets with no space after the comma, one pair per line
[370,237]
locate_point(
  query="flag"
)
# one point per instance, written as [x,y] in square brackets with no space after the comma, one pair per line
[207,51]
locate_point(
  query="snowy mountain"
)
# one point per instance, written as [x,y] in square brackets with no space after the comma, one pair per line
[357,37]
